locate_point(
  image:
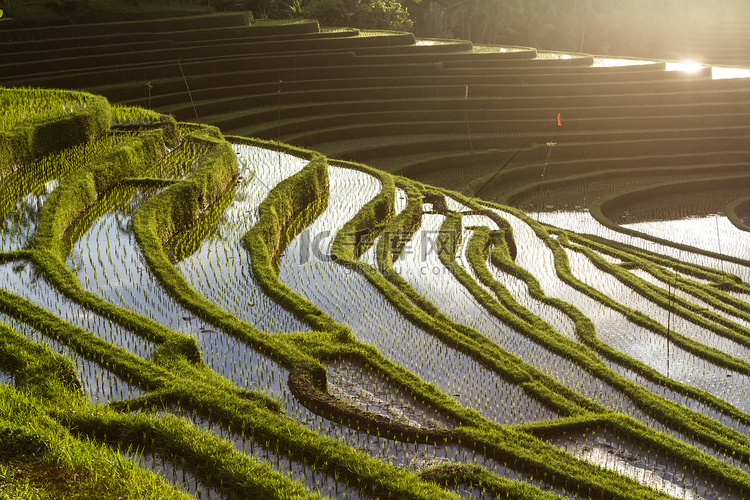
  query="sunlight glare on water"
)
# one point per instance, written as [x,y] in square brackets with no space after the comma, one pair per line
[686,66]
[717,72]
[481,48]
[720,73]
[540,54]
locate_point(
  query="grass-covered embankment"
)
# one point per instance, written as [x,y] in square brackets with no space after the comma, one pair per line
[29,131]
[344,248]
[41,458]
[693,425]
[697,426]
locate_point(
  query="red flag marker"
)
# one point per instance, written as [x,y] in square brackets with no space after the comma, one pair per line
[559,120]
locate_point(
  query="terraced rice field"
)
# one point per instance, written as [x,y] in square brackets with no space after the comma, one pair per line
[220,316]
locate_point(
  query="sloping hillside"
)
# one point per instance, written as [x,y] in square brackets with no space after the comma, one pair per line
[247,317]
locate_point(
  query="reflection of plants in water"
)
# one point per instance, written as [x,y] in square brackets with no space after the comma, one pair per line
[27,208]
[495,386]
[627,456]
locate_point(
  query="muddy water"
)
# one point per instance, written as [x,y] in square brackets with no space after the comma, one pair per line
[357,385]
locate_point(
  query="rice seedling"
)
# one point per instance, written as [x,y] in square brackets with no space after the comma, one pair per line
[292,413]
[348,298]
[400,201]
[107,259]
[41,459]
[651,348]
[692,404]
[99,384]
[37,122]
[531,260]
[701,303]
[24,191]
[23,279]
[421,266]
[6,378]
[186,455]
[306,266]
[743,297]
[313,478]
[463,307]
[517,287]
[220,267]
[622,293]
[713,233]
[412,456]
[613,399]
[598,390]
[172,474]
[584,222]
[180,161]
[494,352]
[20,224]
[245,366]
[21,105]
[134,115]
[557,367]
[455,205]
[530,242]
[610,451]
[370,256]
[357,385]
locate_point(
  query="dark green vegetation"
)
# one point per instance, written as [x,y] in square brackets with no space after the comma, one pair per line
[277,299]
[695,29]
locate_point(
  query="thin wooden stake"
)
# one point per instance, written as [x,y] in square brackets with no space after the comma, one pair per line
[669,323]
[189,93]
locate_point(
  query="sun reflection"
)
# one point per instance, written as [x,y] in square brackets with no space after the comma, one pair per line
[719,72]
[687,66]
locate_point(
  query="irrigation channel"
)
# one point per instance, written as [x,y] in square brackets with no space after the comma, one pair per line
[108,262]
